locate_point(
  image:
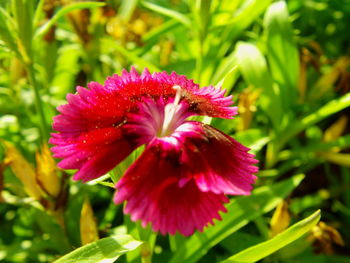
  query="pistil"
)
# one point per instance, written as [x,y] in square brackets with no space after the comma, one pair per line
[169,113]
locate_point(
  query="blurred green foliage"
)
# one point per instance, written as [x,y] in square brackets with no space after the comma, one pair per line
[286,65]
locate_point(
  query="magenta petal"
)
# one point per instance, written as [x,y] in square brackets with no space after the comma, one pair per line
[218,163]
[151,189]
[180,181]
[93,154]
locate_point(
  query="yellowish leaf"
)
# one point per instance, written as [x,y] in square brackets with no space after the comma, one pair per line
[23,170]
[324,236]
[337,158]
[2,168]
[327,81]
[336,129]
[304,60]
[246,107]
[46,172]
[88,226]
[166,49]
[280,219]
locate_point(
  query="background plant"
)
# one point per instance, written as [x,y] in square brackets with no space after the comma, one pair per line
[287,66]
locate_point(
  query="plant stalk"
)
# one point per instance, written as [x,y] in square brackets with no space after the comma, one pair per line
[38,103]
[146,253]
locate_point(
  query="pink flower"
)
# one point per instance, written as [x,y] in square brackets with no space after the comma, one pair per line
[180,181]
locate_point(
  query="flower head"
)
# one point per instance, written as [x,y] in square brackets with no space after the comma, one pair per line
[180,181]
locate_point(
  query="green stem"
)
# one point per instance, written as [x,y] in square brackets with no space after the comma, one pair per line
[146,253]
[38,103]
[199,62]
[262,227]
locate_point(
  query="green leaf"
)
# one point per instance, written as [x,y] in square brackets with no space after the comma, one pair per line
[136,59]
[254,139]
[226,66]
[67,67]
[245,15]
[240,212]
[38,12]
[228,81]
[266,248]
[7,31]
[253,66]
[155,33]
[201,12]
[183,19]
[23,11]
[104,250]
[282,52]
[75,6]
[126,9]
[296,127]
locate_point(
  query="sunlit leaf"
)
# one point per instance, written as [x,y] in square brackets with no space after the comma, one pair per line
[337,158]
[71,7]
[136,59]
[88,226]
[23,170]
[328,80]
[246,14]
[246,107]
[46,172]
[266,248]
[254,69]
[183,19]
[38,12]
[67,67]
[126,9]
[23,12]
[336,129]
[7,31]
[240,212]
[105,250]
[323,112]
[157,32]
[280,219]
[282,52]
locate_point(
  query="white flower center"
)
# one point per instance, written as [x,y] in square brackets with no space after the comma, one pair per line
[171,114]
[155,118]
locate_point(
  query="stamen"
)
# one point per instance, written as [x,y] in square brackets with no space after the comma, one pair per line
[178,95]
[169,112]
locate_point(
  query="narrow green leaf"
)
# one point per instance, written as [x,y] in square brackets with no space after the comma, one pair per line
[126,9]
[253,66]
[246,14]
[7,31]
[240,212]
[38,12]
[183,19]
[266,248]
[160,30]
[104,250]
[201,12]
[23,11]
[315,147]
[136,59]
[282,52]
[67,67]
[295,128]
[75,6]
[225,67]
[229,79]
